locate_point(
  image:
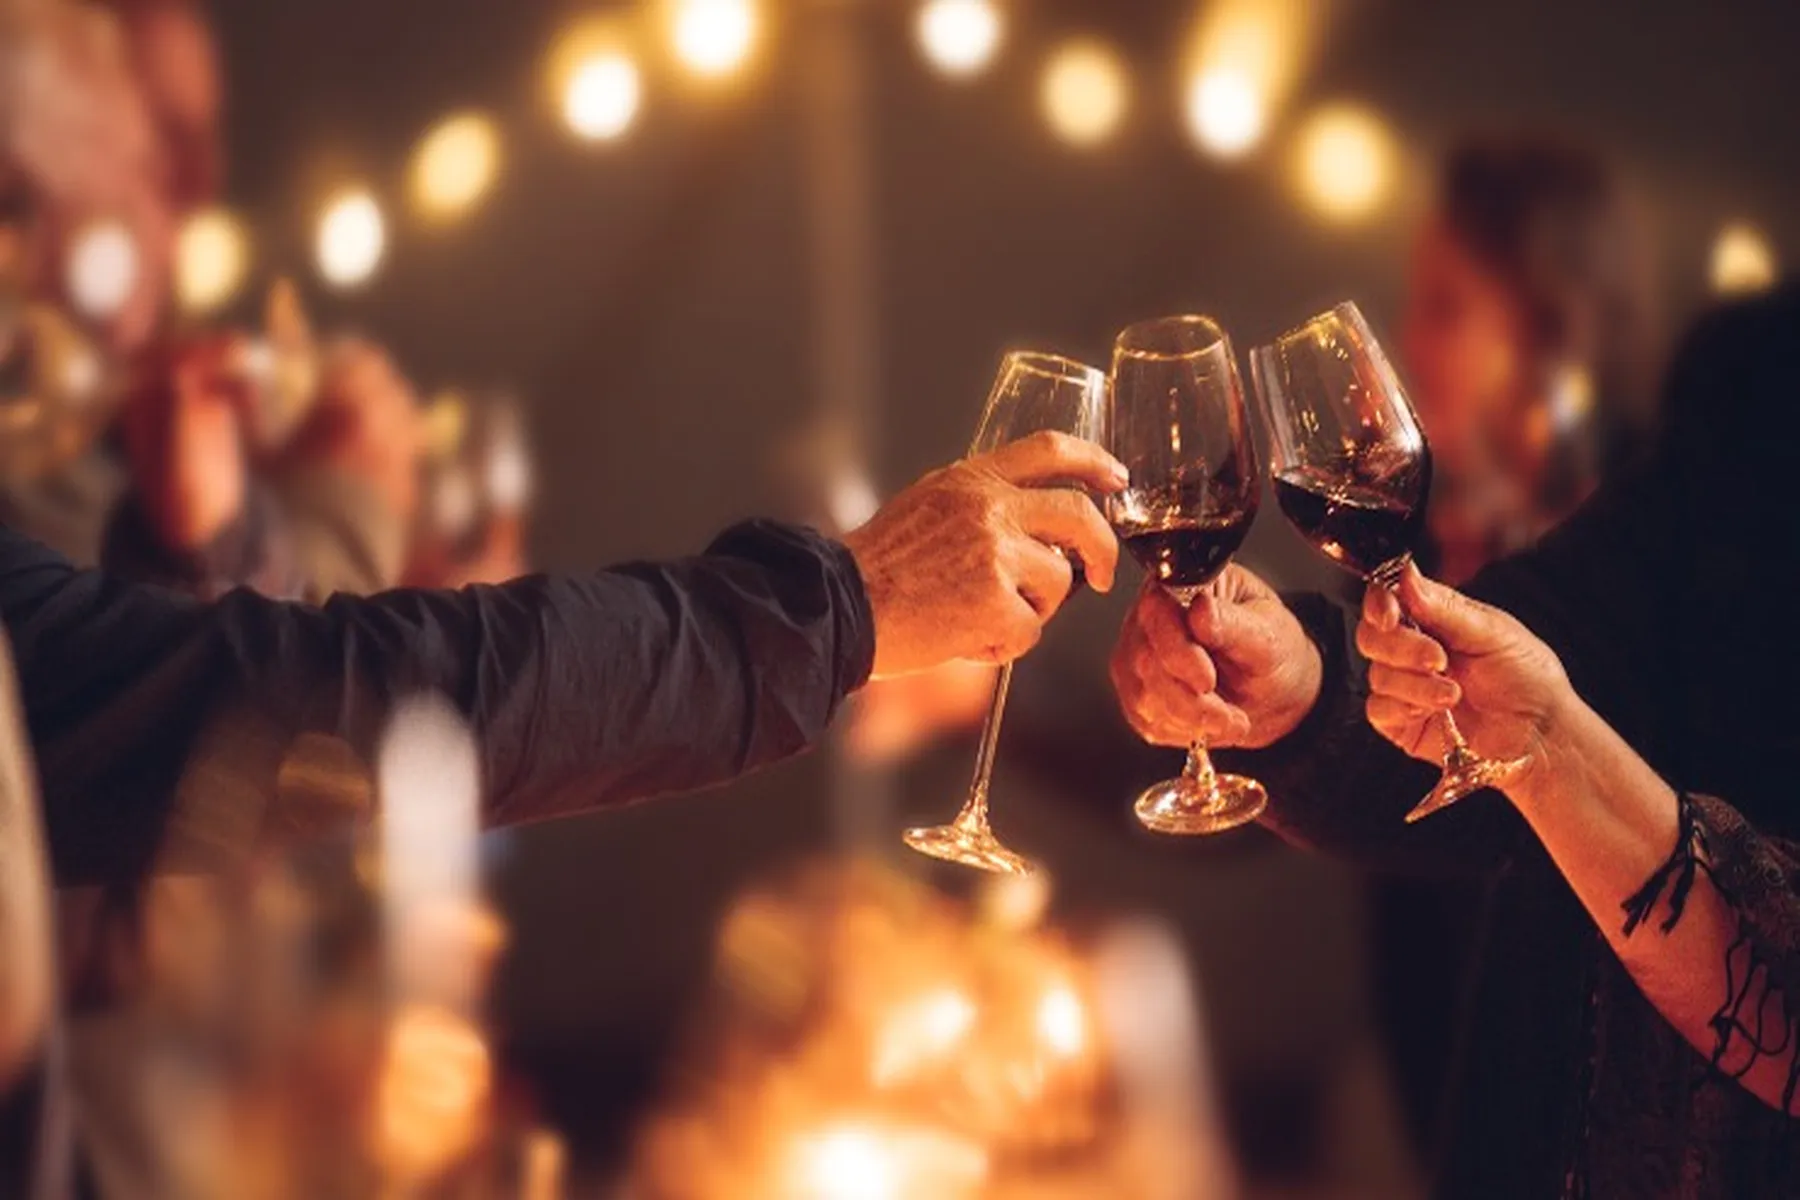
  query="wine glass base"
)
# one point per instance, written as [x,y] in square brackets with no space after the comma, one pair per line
[1465,772]
[1181,807]
[969,848]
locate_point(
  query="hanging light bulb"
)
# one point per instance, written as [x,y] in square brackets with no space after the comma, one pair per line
[601,98]
[211,254]
[1084,93]
[959,37]
[713,38]
[1743,261]
[1346,163]
[101,269]
[352,236]
[455,165]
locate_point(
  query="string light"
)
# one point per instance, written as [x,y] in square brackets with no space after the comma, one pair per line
[455,164]
[1084,93]
[1345,163]
[1062,1022]
[1225,113]
[959,36]
[601,98]
[102,269]
[351,239]
[713,38]
[211,254]
[1743,261]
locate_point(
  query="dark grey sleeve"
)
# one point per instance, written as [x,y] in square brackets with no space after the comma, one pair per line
[582,691]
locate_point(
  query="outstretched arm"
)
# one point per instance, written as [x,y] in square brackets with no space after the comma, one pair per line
[1702,910]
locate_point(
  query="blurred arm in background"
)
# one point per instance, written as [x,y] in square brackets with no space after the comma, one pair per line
[325,513]
[582,690]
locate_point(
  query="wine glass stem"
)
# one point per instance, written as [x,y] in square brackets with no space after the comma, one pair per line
[1199,769]
[975,809]
[1388,576]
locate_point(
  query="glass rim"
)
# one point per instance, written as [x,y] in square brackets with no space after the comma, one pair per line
[1132,340]
[1345,311]
[1052,366]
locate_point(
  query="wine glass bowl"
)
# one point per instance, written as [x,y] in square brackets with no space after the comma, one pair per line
[1352,476]
[1033,392]
[1180,427]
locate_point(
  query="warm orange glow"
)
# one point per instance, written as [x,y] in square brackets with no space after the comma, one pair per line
[714,38]
[1225,111]
[1085,93]
[1345,163]
[455,165]
[101,269]
[433,1093]
[601,98]
[352,236]
[1245,58]
[211,255]
[959,36]
[1743,261]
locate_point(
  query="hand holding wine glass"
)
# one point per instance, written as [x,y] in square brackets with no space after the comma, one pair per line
[1431,649]
[1179,426]
[1036,447]
[1352,475]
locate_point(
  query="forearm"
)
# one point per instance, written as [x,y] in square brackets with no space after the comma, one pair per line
[162,725]
[1611,824]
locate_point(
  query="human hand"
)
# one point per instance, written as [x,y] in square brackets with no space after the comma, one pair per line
[965,563]
[1236,668]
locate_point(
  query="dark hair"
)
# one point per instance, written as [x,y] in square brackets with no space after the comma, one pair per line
[1553,221]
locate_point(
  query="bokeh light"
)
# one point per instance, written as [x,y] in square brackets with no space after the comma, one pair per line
[101,269]
[1225,113]
[959,36]
[1743,261]
[211,256]
[1345,163]
[352,237]
[455,164]
[1062,1022]
[1084,93]
[713,38]
[602,95]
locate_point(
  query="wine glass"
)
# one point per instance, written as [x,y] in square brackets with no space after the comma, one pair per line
[1179,426]
[1034,392]
[1352,474]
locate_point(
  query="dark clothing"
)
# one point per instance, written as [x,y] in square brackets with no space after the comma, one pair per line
[161,723]
[1668,599]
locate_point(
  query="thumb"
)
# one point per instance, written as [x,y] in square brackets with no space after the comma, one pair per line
[1237,633]
[1461,624]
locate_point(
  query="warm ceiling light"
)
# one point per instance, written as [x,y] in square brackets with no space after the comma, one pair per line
[455,164]
[351,238]
[1225,111]
[1743,261]
[211,255]
[1346,163]
[959,36]
[713,38]
[1084,93]
[601,98]
[102,269]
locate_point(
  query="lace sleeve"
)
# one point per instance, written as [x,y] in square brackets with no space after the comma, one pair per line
[1759,877]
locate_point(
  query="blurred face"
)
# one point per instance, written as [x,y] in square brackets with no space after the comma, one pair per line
[1464,349]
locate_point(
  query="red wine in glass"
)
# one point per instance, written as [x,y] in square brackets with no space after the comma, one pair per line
[1360,526]
[1177,542]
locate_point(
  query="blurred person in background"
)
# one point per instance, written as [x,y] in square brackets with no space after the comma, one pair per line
[1528,339]
[1633,1024]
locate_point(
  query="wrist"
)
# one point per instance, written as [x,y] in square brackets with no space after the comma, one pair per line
[1557,750]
